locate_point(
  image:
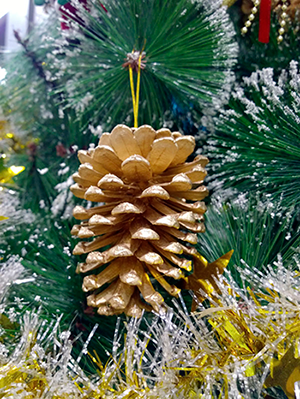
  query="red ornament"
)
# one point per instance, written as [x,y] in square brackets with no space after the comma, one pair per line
[61,150]
[264,21]
[70,12]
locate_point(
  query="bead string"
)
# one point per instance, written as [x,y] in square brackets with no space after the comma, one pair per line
[251,17]
[282,19]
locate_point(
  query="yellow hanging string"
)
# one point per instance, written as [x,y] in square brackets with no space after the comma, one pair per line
[132,90]
[135,96]
[137,93]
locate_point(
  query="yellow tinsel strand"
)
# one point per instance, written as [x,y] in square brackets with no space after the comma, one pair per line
[229,3]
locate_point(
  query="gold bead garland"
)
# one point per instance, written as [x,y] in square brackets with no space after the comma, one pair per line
[282,21]
[251,17]
[285,8]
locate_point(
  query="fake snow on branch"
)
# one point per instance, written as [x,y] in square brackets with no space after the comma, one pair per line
[256,143]
[188,49]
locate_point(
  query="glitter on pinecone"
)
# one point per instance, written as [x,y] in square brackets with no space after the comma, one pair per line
[152,210]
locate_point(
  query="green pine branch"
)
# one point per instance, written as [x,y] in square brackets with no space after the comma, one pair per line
[258,231]
[255,147]
[254,55]
[188,48]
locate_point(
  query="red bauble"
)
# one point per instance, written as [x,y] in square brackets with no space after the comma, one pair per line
[68,12]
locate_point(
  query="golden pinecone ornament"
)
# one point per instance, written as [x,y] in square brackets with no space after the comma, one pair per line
[152,211]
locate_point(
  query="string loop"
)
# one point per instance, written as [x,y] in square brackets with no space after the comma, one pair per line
[135,95]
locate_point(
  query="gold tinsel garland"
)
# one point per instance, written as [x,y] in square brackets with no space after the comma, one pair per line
[8,143]
[151,215]
[8,139]
[253,341]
